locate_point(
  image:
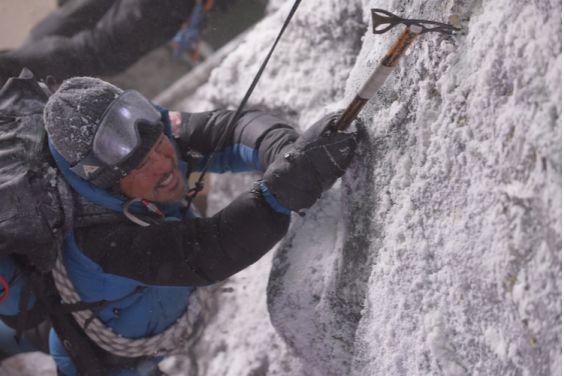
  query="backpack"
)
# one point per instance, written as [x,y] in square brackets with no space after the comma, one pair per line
[36,204]
[36,212]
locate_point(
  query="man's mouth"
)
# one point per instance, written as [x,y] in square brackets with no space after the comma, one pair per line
[166,180]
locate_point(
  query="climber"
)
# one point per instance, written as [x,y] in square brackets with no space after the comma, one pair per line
[136,262]
[97,37]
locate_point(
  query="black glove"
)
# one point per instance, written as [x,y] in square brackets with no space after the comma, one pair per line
[224,5]
[311,165]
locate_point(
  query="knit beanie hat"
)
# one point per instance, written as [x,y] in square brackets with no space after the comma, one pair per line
[72,116]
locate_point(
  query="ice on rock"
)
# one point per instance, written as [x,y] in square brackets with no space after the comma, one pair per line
[440,251]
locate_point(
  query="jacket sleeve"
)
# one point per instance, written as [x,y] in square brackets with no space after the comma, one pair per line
[126,31]
[190,252]
[251,144]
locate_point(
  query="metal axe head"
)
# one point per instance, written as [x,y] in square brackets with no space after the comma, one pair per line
[383,21]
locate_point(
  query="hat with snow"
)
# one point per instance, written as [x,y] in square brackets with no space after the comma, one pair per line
[72,116]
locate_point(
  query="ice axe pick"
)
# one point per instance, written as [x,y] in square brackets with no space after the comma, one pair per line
[382,22]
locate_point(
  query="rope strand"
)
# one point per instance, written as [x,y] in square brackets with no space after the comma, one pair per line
[200,183]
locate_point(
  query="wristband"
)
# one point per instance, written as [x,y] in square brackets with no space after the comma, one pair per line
[271,200]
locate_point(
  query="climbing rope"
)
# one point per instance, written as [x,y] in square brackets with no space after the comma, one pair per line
[199,185]
[185,331]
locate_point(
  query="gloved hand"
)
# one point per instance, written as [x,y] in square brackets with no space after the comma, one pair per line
[224,5]
[311,165]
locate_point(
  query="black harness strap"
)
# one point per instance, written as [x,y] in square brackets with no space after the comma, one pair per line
[80,349]
[23,308]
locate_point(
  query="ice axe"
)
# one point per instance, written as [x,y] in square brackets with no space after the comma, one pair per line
[382,22]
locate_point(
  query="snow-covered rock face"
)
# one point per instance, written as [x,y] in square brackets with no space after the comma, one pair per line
[440,253]
[465,273]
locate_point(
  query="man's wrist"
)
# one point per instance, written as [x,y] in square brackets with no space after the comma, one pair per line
[271,200]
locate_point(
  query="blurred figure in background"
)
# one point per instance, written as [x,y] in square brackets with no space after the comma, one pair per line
[102,37]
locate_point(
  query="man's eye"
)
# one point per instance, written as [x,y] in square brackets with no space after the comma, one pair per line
[164,148]
[143,164]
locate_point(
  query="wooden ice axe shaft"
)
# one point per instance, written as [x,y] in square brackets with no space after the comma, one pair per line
[377,78]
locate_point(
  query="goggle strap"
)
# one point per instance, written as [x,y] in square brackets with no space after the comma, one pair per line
[90,168]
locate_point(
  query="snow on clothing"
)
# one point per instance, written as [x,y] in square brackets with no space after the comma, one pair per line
[109,260]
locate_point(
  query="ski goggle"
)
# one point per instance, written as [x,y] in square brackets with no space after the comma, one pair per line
[117,136]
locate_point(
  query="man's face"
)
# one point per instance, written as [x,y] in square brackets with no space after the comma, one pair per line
[157,178]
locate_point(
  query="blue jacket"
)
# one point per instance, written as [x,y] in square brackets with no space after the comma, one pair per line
[140,308]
